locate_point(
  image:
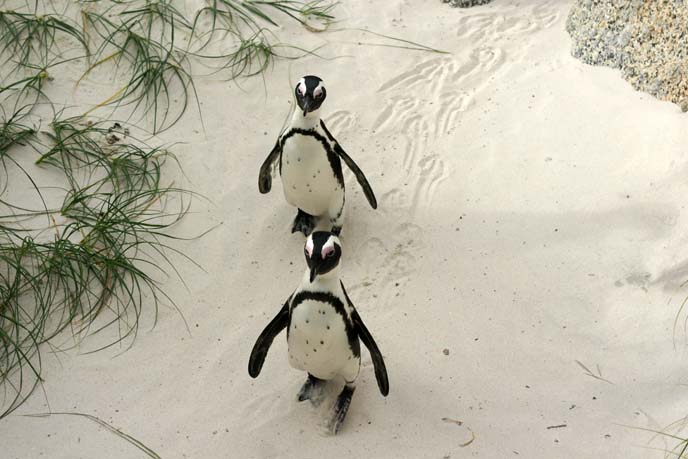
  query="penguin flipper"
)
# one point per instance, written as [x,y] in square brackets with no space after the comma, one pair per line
[264,341]
[369,342]
[264,176]
[360,177]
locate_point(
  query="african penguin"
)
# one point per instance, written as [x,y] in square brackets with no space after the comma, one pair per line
[309,164]
[323,330]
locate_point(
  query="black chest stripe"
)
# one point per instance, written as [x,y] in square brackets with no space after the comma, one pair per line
[332,157]
[336,303]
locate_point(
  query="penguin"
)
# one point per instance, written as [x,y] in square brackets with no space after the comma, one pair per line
[323,331]
[309,160]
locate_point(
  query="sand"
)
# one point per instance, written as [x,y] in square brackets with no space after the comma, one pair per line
[531,222]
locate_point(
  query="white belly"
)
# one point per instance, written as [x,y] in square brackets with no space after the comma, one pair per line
[318,343]
[307,177]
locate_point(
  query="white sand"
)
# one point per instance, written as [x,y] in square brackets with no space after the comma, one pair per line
[531,214]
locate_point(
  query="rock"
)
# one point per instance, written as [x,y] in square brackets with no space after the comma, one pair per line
[684,105]
[466,3]
[646,40]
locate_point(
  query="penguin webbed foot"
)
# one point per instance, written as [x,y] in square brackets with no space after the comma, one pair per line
[312,390]
[341,407]
[304,223]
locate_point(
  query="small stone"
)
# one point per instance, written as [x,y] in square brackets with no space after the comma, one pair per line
[684,105]
[445,351]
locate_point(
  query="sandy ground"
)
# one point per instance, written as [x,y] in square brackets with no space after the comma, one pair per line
[531,215]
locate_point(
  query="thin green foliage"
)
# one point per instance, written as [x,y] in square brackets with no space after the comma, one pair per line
[247,17]
[396,42]
[159,82]
[253,47]
[110,428]
[96,268]
[254,55]
[680,450]
[28,39]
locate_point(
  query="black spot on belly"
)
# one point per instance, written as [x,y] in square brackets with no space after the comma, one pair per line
[328,327]
[322,342]
[307,321]
[306,341]
[315,350]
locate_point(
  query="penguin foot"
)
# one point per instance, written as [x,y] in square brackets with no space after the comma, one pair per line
[312,390]
[304,223]
[341,407]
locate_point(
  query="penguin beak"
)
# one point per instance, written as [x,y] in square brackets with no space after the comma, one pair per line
[314,272]
[306,105]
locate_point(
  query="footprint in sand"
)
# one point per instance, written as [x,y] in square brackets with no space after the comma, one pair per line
[342,121]
[428,71]
[490,27]
[424,101]
[432,172]
[396,113]
[456,103]
[388,263]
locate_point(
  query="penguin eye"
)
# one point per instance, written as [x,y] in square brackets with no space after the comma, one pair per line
[330,254]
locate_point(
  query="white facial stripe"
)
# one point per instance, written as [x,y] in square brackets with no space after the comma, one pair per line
[301,87]
[309,247]
[328,247]
[318,90]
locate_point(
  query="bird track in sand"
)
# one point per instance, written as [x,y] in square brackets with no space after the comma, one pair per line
[423,103]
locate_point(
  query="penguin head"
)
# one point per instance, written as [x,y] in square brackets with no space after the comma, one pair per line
[310,93]
[323,251]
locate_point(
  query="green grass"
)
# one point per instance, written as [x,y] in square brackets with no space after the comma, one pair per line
[159,84]
[108,427]
[680,448]
[100,262]
[28,39]
[253,47]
